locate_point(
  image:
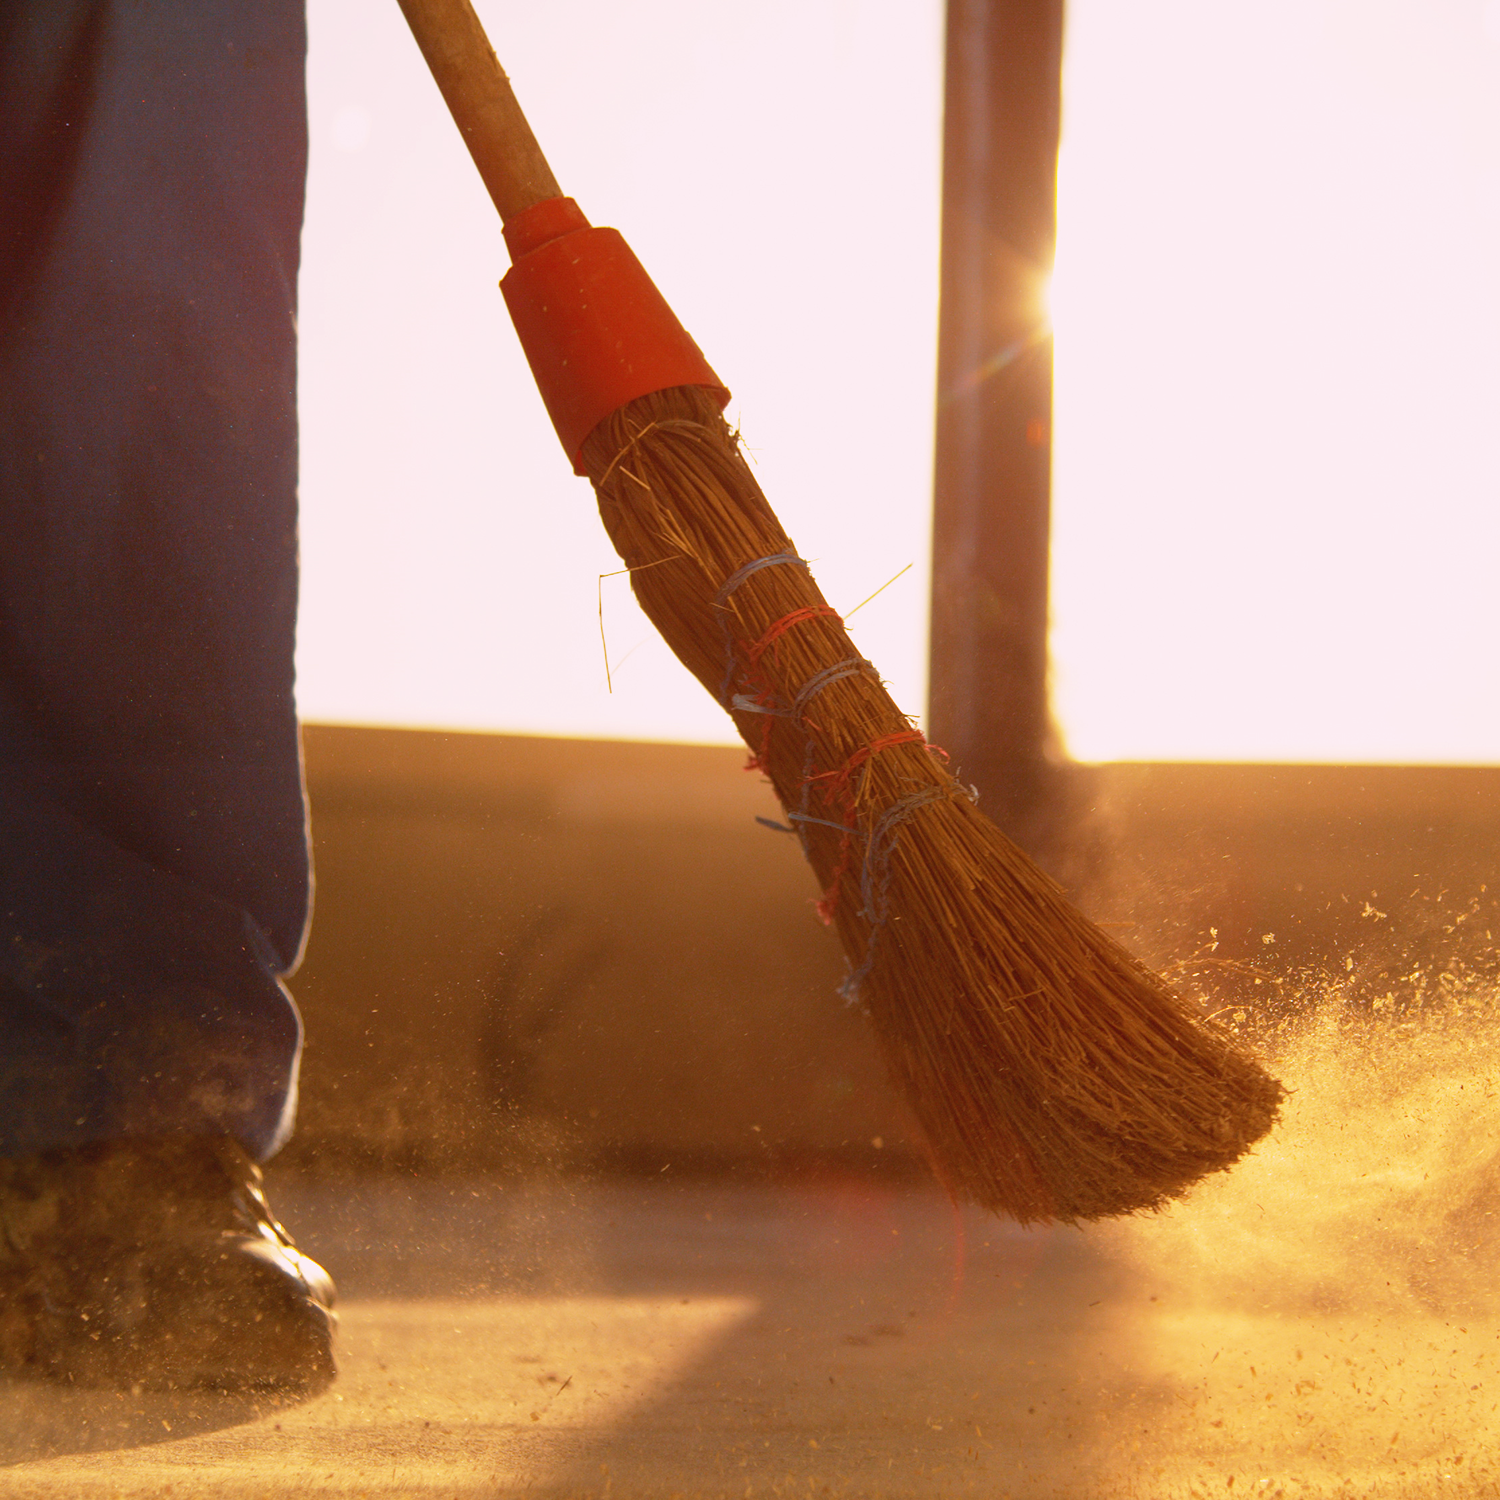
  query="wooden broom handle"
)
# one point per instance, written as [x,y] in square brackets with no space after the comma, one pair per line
[479,98]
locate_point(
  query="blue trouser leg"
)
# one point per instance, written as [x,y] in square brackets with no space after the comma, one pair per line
[153,855]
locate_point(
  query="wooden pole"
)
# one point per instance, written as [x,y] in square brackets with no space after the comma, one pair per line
[994,420]
[479,97]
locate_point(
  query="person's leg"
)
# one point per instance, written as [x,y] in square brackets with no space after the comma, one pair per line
[153,854]
[153,870]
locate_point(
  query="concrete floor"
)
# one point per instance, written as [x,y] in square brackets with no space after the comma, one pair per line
[1320,1322]
[831,1336]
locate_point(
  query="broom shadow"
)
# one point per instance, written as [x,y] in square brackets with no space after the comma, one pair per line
[868,1369]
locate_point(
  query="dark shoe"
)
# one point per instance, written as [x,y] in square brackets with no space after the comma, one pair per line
[156,1263]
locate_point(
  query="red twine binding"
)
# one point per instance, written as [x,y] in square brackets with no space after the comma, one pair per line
[755,679]
[754,653]
[840,777]
[839,787]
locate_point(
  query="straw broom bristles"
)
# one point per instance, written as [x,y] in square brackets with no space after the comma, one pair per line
[1056,1078]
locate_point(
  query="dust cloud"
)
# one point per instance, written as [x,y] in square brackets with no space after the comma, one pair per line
[1325,1319]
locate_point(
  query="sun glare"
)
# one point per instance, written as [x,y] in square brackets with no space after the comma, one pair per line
[1047,302]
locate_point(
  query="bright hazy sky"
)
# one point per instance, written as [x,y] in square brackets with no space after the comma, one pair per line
[1277,306]
[1277,499]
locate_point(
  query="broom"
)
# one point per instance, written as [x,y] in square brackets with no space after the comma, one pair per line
[1055,1077]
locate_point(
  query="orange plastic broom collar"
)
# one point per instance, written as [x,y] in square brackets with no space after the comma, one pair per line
[596,332]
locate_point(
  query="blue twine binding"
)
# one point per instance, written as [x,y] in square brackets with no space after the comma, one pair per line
[748,705]
[879,848]
[875,875]
[851,666]
[721,603]
[736,578]
[821,822]
[801,818]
